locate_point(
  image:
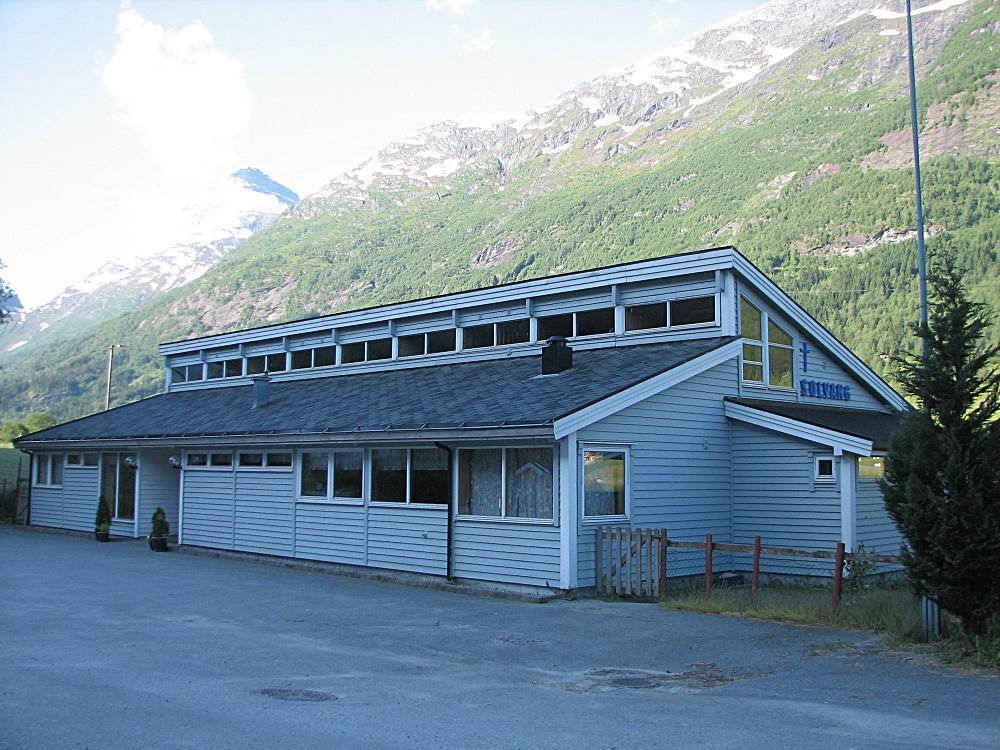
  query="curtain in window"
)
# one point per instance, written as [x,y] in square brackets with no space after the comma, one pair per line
[529,483]
[479,482]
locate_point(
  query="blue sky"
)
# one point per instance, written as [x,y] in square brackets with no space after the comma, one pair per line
[98,132]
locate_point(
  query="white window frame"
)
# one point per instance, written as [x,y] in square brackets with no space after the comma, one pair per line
[716,322]
[50,459]
[118,473]
[82,463]
[265,455]
[209,466]
[765,345]
[830,479]
[581,487]
[329,498]
[503,517]
[409,482]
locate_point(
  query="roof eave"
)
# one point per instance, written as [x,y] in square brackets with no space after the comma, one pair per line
[498,434]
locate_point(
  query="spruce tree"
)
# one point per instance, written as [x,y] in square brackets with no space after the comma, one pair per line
[942,480]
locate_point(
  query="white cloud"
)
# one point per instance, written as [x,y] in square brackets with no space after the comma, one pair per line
[481,42]
[663,25]
[187,100]
[456,7]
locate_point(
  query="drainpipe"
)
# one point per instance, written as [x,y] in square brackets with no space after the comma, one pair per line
[451,499]
[17,489]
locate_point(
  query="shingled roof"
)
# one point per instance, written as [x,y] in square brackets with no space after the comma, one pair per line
[499,396]
[870,425]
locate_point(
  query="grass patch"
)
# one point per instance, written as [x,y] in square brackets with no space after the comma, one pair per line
[890,610]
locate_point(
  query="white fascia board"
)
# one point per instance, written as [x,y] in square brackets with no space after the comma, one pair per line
[650,387]
[686,264]
[791,310]
[838,441]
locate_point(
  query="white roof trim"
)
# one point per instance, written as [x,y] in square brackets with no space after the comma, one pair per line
[791,310]
[838,441]
[650,387]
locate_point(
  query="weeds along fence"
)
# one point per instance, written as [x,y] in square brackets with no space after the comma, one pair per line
[14,482]
[633,562]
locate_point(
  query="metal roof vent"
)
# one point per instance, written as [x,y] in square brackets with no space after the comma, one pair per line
[261,391]
[557,356]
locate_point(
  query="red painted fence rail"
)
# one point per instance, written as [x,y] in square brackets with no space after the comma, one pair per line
[624,561]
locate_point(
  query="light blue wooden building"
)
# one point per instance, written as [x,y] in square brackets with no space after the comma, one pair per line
[485,434]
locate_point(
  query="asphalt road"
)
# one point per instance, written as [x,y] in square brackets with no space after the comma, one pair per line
[113,646]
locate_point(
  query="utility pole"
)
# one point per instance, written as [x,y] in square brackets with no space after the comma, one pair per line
[929,610]
[111,359]
[921,250]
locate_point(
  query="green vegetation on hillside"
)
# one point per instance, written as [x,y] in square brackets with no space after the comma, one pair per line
[784,171]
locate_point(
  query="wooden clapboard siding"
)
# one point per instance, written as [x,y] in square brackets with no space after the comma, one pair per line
[408,538]
[511,552]
[775,497]
[334,533]
[876,530]
[47,506]
[209,505]
[81,487]
[265,512]
[159,487]
[680,457]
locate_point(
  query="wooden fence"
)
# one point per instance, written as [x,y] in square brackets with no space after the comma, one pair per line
[633,562]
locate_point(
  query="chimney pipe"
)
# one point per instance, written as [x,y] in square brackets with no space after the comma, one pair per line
[261,390]
[557,356]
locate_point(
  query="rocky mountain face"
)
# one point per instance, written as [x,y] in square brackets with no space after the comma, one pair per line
[233,212]
[658,96]
[783,131]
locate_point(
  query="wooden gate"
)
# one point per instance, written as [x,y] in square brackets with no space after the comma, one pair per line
[631,562]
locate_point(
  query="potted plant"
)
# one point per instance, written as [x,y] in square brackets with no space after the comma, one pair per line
[161,530]
[102,523]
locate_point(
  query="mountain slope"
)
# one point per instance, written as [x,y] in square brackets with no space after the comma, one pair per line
[247,203]
[783,132]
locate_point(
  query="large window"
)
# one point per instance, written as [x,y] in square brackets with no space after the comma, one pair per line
[689,311]
[410,475]
[118,484]
[605,482]
[768,348]
[49,469]
[583,323]
[346,467]
[506,483]
[871,468]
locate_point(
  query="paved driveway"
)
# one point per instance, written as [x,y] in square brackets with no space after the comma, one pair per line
[112,646]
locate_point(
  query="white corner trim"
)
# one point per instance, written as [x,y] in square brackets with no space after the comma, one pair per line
[568,512]
[649,387]
[848,501]
[791,310]
[838,441]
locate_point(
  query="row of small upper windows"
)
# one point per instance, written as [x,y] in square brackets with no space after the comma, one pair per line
[691,311]
[768,352]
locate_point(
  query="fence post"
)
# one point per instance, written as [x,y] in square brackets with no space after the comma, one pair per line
[931,616]
[598,555]
[755,584]
[838,573]
[663,563]
[708,566]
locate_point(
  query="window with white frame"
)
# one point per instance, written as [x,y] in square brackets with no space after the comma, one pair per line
[118,485]
[767,349]
[515,483]
[675,313]
[605,482]
[825,469]
[49,469]
[410,476]
[86,460]
[273,460]
[221,460]
[576,324]
[346,467]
